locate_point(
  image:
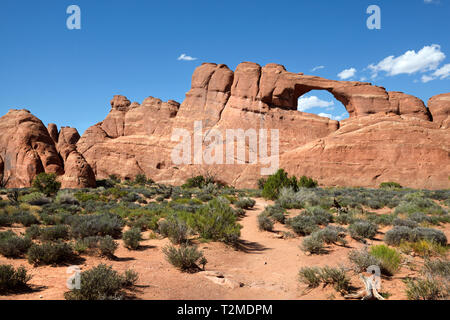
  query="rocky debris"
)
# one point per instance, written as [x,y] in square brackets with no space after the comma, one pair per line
[439,107]
[219,278]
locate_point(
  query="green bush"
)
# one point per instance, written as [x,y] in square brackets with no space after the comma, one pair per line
[175,229]
[5,219]
[33,231]
[264,222]
[50,253]
[336,277]
[54,233]
[46,183]
[184,258]
[132,238]
[397,235]
[106,246]
[276,212]
[24,218]
[390,185]
[320,215]
[96,225]
[13,279]
[313,244]
[429,234]
[13,246]
[310,276]
[245,203]
[362,260]
[305,182]
[425,289]
[362,230]
[102,283]
[332,235]
[35,199]
[276,182]
[390,259]
[303,225]
[216,221]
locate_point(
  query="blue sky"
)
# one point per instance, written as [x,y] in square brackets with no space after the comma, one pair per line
[132,48]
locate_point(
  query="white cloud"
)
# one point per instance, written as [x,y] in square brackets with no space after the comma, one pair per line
[328,115]
[347,74]
[443,72]
[305,103]
[317,68]
[426,59]
[185,57]
[426,78]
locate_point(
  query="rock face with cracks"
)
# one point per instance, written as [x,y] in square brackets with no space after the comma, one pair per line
[389,136]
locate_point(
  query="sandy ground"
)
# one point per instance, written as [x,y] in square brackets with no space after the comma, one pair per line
[266,267]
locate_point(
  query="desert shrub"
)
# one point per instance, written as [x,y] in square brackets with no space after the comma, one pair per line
[405,222]
[33,231]
[197,182]
[102,283]
[12,245]
[389,258]
[320,215]
[397,234]
[420,217]
[24,218]
[216,221]
[362,230]
[423,248]
[261,183]
[345,218]
[106,246]
[65,197]
[184,258]
[417,202]
[276,182]
[390,185]
[132,238]
[54,233]
[313,244]
[205,197]
[362,260]
[13,279]
[429,234]
[303,225]
[245,203]
[289,199]
[306,182]
[35,199]
[49,253]
[264,222]
[175,229]
[310,276]
[437,267]
[335,277]
[5,219]
[424,289]
[381,219]
[332,234]
[46,183]
[276,212]
[96,225]
[141,179]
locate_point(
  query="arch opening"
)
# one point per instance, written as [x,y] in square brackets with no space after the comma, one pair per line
[322,103]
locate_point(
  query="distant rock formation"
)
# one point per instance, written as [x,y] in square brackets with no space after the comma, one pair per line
[390,136]
[27,149]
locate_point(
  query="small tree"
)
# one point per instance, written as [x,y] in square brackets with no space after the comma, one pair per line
[46,183]
[277,181]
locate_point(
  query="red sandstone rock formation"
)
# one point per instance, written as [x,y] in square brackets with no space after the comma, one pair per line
[27,148]
[440,109]
[390,136]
